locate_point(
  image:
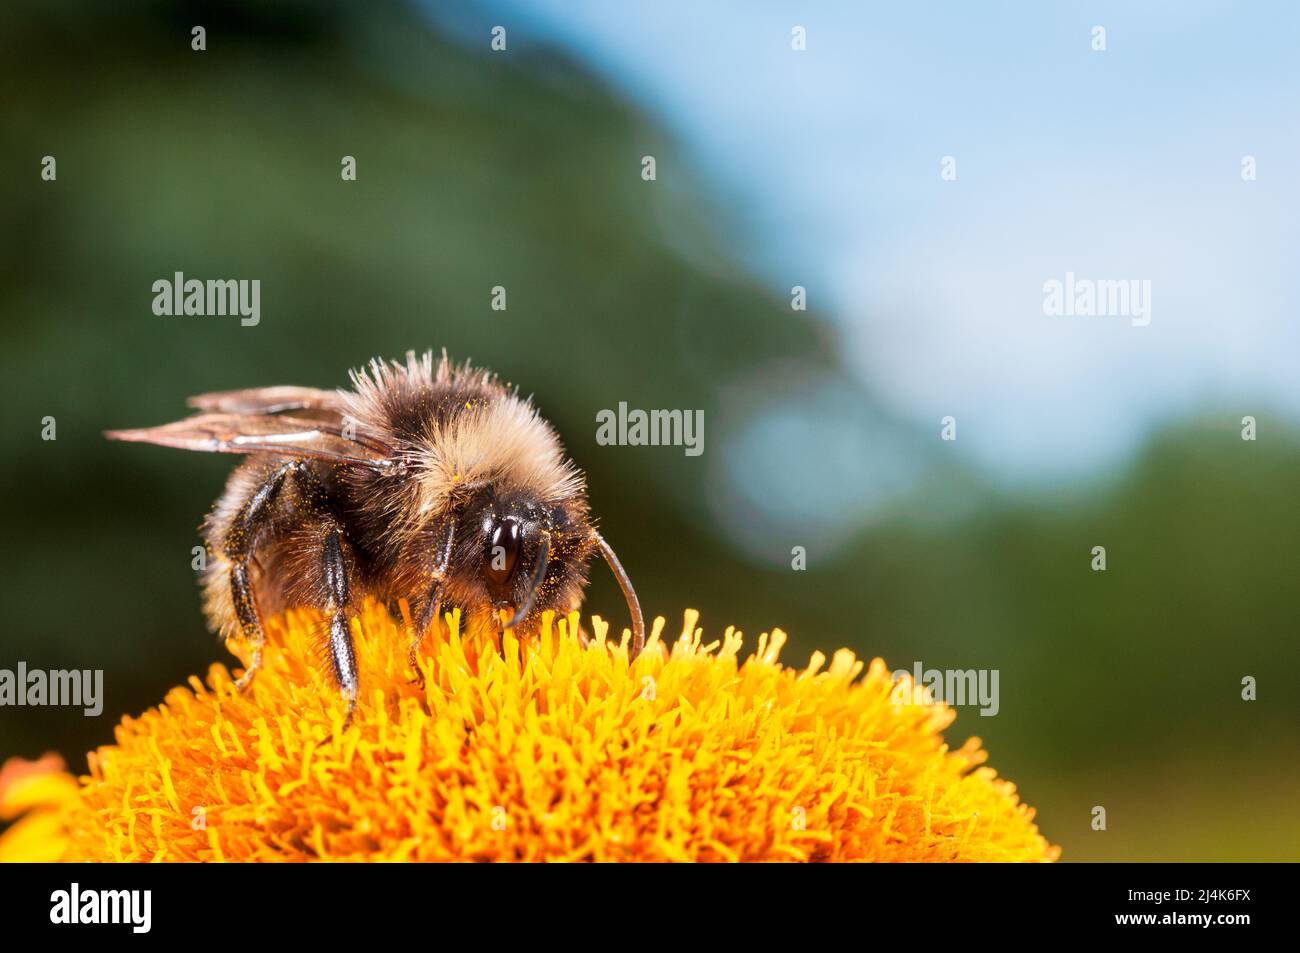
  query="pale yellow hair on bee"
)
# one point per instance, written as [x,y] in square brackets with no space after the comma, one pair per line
[479,431]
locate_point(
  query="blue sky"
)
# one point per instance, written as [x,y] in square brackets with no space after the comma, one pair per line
[1115,165]
[1122,164]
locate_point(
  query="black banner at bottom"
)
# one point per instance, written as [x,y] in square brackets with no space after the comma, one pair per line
[351,903]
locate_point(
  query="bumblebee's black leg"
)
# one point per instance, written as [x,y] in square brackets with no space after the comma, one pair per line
[238,547]
[432,602]
[248,621]
[242,539]
[342,652]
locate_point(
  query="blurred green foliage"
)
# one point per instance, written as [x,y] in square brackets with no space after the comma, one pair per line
[1119,689]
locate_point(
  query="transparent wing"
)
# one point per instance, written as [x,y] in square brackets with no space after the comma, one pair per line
[267,400]
[255,433]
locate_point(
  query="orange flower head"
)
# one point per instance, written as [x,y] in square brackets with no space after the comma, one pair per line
[553,750]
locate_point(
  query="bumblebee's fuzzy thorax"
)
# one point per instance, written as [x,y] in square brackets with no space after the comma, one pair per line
[463,431]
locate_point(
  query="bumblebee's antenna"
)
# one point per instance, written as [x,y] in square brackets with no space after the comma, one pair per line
[633,604]
[539,574]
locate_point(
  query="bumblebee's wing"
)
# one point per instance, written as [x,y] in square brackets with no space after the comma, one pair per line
[267,400]
[259,433]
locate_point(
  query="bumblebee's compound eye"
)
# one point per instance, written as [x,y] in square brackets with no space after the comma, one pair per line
[503,551]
